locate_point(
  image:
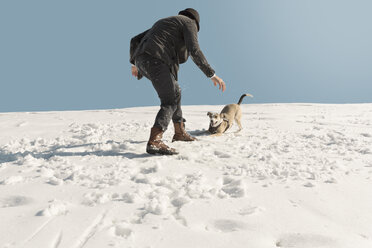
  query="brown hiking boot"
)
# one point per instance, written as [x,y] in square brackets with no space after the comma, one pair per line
[156,146]
[180,133]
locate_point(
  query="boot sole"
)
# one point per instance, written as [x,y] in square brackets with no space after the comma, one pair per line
[185,140]
[161,152]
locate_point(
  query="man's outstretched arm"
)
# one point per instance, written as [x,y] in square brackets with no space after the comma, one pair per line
[192,45]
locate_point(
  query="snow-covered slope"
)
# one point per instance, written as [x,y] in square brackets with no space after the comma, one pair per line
[298,175]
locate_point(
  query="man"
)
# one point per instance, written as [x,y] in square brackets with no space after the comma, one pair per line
[156,54]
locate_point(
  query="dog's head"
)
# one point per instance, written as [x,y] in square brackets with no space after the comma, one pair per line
[215,119]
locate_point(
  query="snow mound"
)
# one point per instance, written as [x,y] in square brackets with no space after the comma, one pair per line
[54,208]
[297,175]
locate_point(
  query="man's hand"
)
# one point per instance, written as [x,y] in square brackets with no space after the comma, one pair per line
[134,71]
[217,80]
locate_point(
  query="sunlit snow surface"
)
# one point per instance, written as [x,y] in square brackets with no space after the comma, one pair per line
[297,175]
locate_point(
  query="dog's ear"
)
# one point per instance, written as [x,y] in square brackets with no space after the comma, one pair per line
[209,114]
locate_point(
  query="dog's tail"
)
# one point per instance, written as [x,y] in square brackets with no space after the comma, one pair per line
[241,98]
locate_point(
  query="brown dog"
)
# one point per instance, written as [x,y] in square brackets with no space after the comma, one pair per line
[220,122]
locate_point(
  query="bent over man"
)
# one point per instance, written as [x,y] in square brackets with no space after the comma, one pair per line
[156,54]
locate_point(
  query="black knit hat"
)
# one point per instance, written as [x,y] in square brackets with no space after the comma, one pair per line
[191,13]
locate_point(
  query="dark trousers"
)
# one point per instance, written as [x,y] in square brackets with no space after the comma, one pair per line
[167,88]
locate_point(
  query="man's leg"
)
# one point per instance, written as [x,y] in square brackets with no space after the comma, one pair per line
[177,115]
[165,85]
[180,133]
[169,93]
[170,96]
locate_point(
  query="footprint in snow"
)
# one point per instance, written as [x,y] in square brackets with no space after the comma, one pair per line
[22,124]
[14,201]
[122,230]
[222,154]
[305,241]
[367,135]
[226,225]
[149,170]
[232,187]
[250,210]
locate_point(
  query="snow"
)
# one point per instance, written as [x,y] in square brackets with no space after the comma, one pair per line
[297,175]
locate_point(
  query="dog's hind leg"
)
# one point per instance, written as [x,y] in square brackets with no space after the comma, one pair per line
[237,118]
[239,124]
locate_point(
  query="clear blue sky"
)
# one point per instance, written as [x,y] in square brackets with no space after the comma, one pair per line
[71,55]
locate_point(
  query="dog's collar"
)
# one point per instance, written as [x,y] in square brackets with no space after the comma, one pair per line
[214,129]
[219,123]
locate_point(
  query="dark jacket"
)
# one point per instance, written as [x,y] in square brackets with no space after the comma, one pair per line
[171,40]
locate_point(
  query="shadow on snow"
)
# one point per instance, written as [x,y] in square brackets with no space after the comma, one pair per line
[6,156]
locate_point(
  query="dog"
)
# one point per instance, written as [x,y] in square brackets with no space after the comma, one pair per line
[221,122]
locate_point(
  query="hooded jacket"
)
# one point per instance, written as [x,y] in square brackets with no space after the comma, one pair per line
[171,40]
